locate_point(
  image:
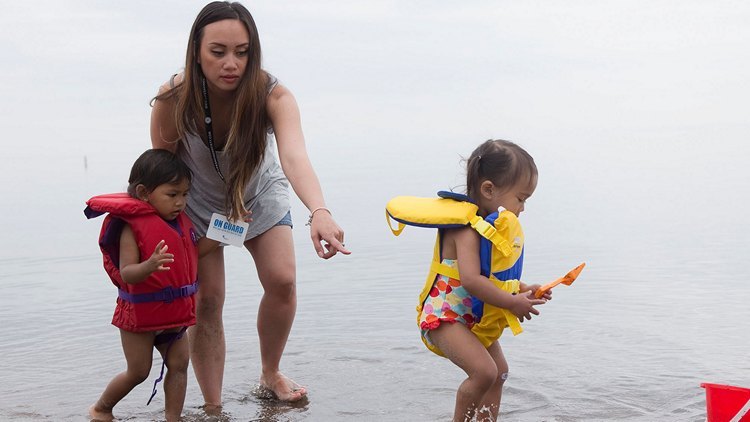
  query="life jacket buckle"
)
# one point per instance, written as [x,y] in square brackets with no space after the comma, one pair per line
[168,294]
[484,228]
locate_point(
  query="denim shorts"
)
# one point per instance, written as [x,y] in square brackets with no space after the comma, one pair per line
[286,220]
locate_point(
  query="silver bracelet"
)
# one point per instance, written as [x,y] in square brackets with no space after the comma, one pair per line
[312,213]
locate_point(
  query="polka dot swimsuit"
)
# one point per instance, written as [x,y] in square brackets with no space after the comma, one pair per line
[448,301]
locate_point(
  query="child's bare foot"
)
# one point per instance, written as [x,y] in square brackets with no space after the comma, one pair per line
[283,388]
[97,416]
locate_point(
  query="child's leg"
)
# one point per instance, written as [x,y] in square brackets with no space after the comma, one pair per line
[462,347]
[137,348]
[175,381]
[490,407]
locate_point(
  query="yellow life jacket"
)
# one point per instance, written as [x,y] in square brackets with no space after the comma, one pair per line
[501,252]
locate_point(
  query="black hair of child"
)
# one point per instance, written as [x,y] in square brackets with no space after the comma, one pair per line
[156,167]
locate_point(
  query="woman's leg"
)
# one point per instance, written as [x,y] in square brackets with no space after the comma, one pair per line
[138,350]
[462,347]
[490,407]
[207,346]
[175,381]
[273,253]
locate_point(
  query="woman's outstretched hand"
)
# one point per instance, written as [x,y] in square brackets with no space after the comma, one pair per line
[327,236]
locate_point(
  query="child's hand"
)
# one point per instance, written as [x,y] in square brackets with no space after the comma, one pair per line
[160,257]
[533,289]
[523,305]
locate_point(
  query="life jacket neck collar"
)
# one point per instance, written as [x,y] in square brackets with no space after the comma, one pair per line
[454,195]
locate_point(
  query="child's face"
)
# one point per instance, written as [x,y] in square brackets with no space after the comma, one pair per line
[169,199]
[513,199]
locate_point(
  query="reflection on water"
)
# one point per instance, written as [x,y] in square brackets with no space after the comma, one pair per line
[267,409]
[656,312]
[660,307]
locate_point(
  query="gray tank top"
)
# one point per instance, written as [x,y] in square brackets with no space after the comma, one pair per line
[266,194]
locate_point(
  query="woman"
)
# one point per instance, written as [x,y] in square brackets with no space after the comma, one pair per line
[218,116]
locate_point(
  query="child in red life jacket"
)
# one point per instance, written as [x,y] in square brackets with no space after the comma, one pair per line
[151,254]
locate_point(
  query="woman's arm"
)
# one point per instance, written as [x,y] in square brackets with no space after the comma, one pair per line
[163,128]
[282,109]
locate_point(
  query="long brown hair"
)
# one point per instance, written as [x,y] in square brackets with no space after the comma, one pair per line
[246,139]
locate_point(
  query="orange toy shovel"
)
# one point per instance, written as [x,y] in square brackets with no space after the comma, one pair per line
[567,280]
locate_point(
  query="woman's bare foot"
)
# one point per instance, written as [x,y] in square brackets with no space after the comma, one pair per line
[283,388]
[212,409]
[97,416]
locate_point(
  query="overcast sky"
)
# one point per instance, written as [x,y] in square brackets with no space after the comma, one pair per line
[615,77]
[603,63]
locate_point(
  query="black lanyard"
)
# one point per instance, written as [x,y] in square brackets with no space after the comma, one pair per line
[209,128]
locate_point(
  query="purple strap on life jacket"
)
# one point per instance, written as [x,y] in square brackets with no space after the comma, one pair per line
[160,339]
[167,294]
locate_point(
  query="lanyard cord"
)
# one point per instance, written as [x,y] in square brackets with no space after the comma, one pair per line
[209,128]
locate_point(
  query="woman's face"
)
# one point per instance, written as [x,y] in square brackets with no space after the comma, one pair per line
[224,53]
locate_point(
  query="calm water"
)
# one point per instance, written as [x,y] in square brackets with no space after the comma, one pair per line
[632,110]
[660,308]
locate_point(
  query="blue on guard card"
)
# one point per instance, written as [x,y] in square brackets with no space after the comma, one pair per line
[225,231]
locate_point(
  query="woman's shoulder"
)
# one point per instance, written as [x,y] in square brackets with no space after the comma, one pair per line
[171,83]
[280,101]
[278,92]
[163,129]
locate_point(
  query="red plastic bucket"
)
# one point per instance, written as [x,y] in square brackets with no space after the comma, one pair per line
[725,403]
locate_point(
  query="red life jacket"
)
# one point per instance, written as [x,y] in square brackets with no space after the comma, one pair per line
[165,299]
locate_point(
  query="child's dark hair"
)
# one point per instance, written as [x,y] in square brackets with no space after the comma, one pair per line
[501,162]
[156,167]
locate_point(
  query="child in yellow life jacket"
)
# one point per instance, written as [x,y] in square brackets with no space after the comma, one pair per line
[474,291]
